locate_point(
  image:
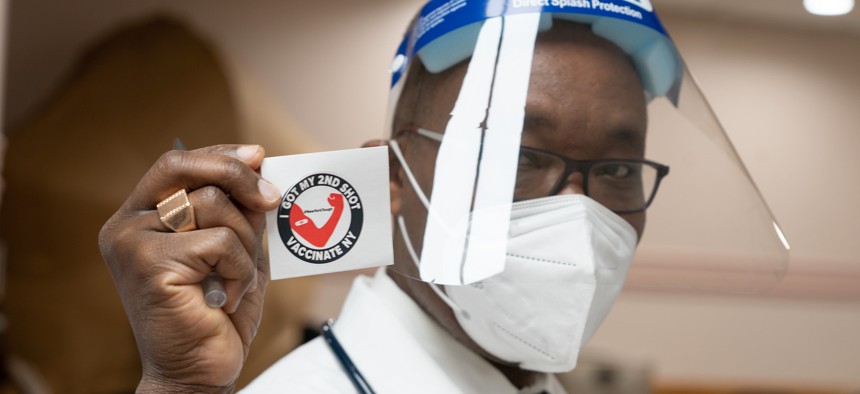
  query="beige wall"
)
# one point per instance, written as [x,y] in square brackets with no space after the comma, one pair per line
[719,339]
[307,53]
[788,96]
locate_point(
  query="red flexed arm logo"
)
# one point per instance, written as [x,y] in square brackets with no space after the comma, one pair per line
[307,229]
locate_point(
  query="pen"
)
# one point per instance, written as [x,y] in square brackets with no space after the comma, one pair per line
[358,380]
[213,284]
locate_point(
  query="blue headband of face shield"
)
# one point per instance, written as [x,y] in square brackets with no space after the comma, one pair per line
[445,33]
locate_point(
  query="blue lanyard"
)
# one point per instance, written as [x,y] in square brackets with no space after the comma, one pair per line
[351,370]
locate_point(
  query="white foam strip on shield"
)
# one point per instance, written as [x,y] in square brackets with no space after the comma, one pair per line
[488,232]
[457,165]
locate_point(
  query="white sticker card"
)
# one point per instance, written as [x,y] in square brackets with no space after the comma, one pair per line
[334,214]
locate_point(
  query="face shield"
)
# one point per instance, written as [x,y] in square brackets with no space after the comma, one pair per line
[543,131]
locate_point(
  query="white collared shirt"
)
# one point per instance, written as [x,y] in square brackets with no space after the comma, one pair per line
[396,346]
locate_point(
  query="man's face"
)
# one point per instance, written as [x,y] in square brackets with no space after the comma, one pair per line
[585,101]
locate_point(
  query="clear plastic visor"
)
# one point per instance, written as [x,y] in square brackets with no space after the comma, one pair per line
[553,145]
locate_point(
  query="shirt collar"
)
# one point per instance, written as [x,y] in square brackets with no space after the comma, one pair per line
[377,302]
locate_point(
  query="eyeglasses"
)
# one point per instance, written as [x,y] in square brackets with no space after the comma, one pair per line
[622,185]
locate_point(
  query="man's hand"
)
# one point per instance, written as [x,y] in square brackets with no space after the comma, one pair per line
[184,345]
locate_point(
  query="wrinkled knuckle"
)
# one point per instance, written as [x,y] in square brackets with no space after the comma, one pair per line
[170,161]
[223,236]
[106,238]
[210,195]
[220,149]
[236,172]
[233,171]
[246,271]
[130,257]
[233,243]
[126,244]
[139,253]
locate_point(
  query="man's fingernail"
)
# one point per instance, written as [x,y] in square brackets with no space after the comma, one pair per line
[247,153]
[269,191]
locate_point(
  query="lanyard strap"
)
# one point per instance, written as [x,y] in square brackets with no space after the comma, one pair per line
[351,370]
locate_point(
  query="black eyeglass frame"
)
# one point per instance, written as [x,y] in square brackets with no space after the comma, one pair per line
[584,167]
[571,166]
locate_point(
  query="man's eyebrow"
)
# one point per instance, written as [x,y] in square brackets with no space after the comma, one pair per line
[628,138]
[621,136]
[537,121]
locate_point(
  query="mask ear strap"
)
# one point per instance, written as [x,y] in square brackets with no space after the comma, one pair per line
[395,147]
[401,224]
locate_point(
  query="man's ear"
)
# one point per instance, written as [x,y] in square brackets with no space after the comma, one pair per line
[395,183]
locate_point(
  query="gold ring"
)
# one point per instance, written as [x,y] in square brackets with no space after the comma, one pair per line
[177,213]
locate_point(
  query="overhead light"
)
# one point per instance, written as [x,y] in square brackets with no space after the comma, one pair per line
[828,7]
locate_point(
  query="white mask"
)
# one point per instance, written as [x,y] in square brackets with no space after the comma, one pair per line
[566,261]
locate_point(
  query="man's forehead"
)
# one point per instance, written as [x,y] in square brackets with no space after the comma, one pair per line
[583,138]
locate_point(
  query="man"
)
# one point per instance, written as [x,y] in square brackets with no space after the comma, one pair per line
[583,134]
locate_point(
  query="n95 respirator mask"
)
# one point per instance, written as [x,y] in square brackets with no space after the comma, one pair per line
[567,259]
